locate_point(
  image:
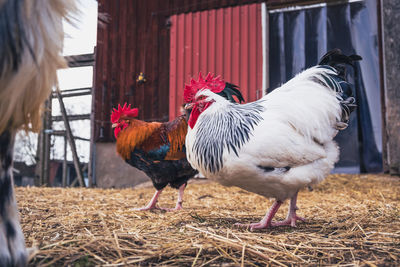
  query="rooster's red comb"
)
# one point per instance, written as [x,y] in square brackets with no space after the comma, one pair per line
[123,111]
[215,84]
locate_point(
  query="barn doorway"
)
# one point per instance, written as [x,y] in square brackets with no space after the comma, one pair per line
[300,35]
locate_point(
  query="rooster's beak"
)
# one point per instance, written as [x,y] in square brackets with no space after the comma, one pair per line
[114,125]
[189,106]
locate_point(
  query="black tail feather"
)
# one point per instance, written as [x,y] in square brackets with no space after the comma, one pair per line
[230,91]
[335,56]
[336,60]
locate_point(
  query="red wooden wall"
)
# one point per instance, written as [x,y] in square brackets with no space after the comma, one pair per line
[224,41]
[134,37]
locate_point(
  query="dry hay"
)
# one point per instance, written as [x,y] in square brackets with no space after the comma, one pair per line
[352,220]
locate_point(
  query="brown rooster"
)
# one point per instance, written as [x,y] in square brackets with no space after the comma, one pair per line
[156,148]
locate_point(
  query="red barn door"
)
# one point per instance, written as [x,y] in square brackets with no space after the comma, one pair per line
[227,42]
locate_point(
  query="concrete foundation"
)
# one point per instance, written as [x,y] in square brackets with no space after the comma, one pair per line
[112,171]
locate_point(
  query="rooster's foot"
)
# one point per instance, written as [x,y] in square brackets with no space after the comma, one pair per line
[292,216]
[146,208]
[177,207]
[152,204]
[289,221]
[172,209]
[158,208]
[252,226]
[266,221]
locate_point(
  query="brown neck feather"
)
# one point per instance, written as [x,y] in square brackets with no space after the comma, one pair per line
[134,135]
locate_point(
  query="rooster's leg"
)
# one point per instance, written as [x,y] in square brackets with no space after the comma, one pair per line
[266,221]
[291,217]
[179,202]
[153,202]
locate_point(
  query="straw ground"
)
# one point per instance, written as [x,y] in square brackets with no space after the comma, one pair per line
[352,220]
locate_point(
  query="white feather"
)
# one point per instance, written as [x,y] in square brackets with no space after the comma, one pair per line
[296,131]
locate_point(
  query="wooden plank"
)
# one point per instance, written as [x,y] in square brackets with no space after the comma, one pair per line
[385,161]
[163,61]
[180,71]
[173,68]
[80,60]
[140,56]
[78,92]
[45,138]
[63,133]
[70,140]
[391,37]
[107,88]
[151,53]
[72,117]
[132,44]
[64,165]
[101,74]
[122,51]
[114,58]
[188,52]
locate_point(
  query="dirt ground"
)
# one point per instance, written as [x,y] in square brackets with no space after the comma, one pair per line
[351,220]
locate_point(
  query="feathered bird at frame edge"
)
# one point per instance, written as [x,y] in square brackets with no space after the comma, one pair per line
[31,41]
[276,145]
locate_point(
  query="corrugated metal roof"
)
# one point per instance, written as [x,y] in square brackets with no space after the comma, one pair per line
[225,41]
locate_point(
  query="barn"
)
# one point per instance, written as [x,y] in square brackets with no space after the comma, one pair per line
[256,45]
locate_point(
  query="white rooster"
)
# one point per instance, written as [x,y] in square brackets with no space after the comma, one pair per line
[274,146]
